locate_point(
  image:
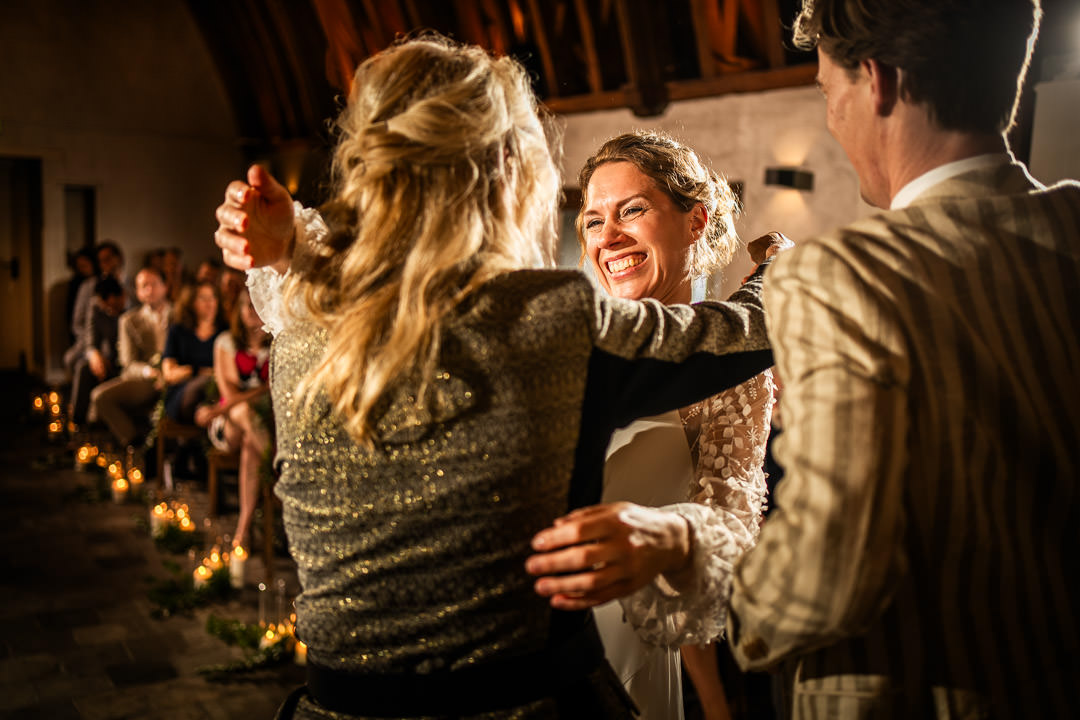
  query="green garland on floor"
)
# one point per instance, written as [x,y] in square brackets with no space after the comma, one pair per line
[178,595]
[172,539]
[245,636]
[270,656]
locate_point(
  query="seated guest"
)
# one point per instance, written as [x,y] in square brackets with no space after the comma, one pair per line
[187,363]
[98,361]
[208,270]
[124,403]
[241,421]
[110,261]
[172,265]
[230,285]
[83,264]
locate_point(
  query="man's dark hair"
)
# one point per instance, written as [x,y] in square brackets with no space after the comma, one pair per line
[108,287]
[156,270]
[964,59]
[110,245]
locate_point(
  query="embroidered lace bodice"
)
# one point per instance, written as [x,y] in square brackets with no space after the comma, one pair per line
[729,496]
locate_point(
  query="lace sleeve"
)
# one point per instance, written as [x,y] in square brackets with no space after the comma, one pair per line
[730,495]
[731,457]
[266,285]
[697,615]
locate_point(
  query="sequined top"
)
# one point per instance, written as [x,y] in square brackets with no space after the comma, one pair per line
[411,555]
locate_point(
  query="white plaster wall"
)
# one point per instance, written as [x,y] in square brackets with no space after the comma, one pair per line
[741,135]
[1055,144]
[120,95]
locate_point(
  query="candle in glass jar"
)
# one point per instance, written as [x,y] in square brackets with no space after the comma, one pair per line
[300,652]
[202,576]
[135,477]
[119,490]
[158,518]
[237,560]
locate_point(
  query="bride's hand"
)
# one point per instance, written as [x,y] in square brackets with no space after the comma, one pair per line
[255,222]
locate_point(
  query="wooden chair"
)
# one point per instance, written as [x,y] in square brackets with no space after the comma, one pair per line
[169,429]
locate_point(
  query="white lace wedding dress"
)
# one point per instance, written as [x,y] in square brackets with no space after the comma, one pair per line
[711,453]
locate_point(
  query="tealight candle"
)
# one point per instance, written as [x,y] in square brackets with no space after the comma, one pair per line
[202,576]
[135,477]
[300,652]
[158,518]
[269,637]
[237,560]
[214,560]
[39,405]
[56,429]
[119,490]
[83,456]
[55,409]
[54,397]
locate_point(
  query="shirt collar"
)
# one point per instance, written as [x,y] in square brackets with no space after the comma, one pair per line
[910,192]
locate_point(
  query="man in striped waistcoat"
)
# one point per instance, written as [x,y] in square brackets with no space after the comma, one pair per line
[925,557]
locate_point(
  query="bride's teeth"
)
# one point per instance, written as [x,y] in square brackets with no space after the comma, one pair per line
[624,263]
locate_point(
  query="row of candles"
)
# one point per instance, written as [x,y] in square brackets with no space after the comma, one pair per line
[50,404]
[126,478]
[284,630]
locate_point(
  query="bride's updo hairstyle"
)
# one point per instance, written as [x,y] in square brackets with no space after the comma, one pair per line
[442,180]
[680,173]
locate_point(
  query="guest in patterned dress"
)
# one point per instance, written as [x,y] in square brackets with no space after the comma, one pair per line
[238,422]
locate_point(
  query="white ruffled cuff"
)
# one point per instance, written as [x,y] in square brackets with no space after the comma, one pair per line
[697,615]
[266,286]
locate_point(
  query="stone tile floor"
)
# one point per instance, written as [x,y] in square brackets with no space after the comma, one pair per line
[77,639]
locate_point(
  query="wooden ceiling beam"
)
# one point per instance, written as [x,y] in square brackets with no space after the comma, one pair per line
[540,35]
[305,94]
[375,27]
[763,18]
[344,46]
[749,81]
[498,28]
[472,25]
[274,92]
[588,41]
[647,92]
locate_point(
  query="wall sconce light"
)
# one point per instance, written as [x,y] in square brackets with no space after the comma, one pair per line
[789,177]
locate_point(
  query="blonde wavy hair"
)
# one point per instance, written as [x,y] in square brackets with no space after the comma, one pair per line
[443,179]
[680,173]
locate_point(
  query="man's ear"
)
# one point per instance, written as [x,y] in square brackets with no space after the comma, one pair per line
[884,85]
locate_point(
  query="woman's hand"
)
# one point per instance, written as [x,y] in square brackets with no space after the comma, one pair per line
[609,551]
[764,247]
[255,222]
[174,373]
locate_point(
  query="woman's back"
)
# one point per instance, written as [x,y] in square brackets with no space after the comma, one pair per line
[411,554]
